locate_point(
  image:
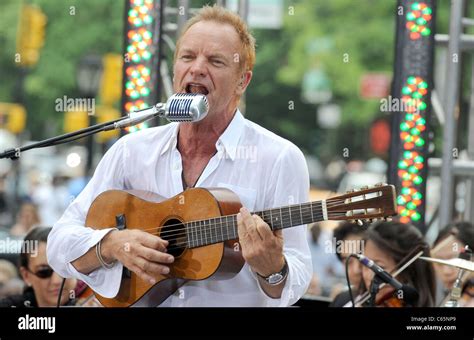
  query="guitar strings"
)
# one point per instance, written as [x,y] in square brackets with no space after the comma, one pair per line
[216,225]
[265,217]
[183,232]
[184,244]
[213,228]
[318,209]
[208,241]
[209,231]
[309,212]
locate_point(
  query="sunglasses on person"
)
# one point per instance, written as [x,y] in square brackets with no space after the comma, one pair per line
[43,273]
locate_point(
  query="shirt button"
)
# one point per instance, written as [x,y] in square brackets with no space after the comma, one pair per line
[176,166]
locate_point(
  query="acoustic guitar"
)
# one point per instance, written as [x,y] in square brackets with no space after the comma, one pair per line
[201,228]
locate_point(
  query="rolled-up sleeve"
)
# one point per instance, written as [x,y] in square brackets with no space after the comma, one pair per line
[289,184]
[70,239]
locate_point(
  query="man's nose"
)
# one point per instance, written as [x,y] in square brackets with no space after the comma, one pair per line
[198,68]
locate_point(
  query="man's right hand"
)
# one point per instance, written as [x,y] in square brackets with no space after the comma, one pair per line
[141,252]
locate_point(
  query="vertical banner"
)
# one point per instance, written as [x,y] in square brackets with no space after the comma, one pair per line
[142,55]
[411,88]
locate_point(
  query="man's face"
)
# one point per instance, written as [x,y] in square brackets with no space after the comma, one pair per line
[207,62]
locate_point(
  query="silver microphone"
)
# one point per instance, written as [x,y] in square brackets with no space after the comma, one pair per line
[180,107]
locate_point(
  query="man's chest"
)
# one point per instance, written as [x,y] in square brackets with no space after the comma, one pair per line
[192,168]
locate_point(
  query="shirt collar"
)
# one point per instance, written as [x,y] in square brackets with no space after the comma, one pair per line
[229,138]
[171,143]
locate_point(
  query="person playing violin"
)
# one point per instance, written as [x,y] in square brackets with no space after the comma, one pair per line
[387,243]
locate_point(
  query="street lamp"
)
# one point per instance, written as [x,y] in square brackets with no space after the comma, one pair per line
[88,75]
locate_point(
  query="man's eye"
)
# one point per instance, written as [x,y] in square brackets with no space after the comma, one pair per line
[186,57]
[217,62]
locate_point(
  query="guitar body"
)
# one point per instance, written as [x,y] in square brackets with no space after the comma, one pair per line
[202,230]
[164,217]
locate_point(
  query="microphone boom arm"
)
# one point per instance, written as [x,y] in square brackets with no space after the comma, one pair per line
[15,153]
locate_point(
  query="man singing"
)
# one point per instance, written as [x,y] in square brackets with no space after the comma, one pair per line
[214,56]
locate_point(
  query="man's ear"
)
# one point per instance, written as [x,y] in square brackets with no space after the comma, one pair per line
[244,82]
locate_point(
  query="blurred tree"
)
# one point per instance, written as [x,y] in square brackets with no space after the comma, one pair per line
[346,39]
[343,38]
[74,28]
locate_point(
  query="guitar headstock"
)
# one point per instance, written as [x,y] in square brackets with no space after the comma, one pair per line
[364,204]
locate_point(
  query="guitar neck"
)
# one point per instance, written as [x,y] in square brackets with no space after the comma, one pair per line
[224,228]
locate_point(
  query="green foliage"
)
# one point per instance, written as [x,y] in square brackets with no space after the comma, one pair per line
[74,28]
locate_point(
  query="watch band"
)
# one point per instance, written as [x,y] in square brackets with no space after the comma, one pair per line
[276,278]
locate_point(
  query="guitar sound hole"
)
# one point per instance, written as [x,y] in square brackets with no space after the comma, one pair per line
[174,232]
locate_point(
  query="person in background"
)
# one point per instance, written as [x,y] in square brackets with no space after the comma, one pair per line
[349,238]
[461,234]
[42,283]
[10,284]
[27,218]
[387,243]
[326,267]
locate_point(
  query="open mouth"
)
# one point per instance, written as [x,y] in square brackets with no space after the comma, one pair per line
[196,88]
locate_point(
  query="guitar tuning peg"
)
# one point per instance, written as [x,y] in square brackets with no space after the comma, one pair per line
[365,187]
[360,223]
[378,184]
[388,219]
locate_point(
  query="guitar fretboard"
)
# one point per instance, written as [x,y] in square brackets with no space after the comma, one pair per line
[223,228]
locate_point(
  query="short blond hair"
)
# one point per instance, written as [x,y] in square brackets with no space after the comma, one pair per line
[222,15]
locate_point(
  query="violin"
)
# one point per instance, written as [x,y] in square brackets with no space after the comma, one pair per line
[388,297]
[85,296]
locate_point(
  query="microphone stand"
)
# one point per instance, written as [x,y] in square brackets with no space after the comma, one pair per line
[15,153]
[374,289]
[456,290]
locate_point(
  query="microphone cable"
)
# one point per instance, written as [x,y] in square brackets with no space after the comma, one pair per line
[60,293]
[348,279]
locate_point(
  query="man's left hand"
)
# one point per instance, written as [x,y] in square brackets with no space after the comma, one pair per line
[262,248]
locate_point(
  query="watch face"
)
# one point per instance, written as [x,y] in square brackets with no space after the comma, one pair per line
[275,278]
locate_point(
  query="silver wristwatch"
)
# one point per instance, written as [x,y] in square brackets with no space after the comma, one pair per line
[276,278]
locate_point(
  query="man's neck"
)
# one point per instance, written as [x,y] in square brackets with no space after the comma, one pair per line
[199,139]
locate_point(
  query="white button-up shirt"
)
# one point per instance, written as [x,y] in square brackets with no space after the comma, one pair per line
[263,169]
